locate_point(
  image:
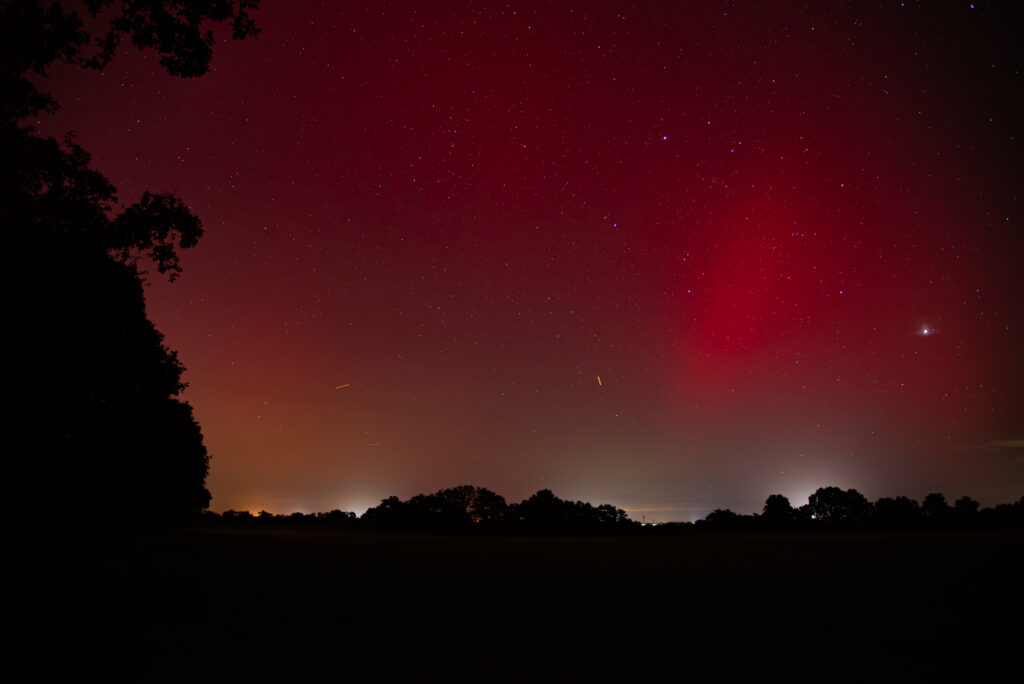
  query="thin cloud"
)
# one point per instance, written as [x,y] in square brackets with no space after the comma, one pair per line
[664,508]
[1001,445]
[1011,450]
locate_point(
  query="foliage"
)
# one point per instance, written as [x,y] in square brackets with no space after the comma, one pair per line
[476,508]
[935,507]
[102,393]
[34,34]
[833,505]
[777,509]
[896,513]
[544,510]
[461,510]
[448,509]
[965,506]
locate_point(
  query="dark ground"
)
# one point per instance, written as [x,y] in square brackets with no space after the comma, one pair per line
[224,605]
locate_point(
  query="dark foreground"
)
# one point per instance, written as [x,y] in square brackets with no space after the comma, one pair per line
[206,605]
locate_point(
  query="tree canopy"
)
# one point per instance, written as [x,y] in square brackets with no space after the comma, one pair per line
[101,395]
[467,507]
[832,504]
[467,510]
[36,33]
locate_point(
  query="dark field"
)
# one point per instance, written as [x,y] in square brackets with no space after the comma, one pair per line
[237,606]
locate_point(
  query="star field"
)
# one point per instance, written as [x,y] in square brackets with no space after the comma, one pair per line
[672,258]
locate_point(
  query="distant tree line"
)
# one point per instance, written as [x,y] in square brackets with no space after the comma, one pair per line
[469,509]
[463,509]
[832,508]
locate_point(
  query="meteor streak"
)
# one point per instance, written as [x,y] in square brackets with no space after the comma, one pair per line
[342,386]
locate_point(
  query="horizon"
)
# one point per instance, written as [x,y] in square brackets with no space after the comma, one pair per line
[635,514]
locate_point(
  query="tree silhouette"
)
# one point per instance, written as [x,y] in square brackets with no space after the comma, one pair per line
[477,504]
[391,512]
[544,508]
[965,511]
[487,507]
[896,513]
[606,514]
[833,505]
[966,506]
[935,509]
[34,34]
[722,518]
[101,395]
[336,517]
[452,509]
[778,512]
[546,512]
[468,508]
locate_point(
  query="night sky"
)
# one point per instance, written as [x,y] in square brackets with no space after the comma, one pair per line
[668,256]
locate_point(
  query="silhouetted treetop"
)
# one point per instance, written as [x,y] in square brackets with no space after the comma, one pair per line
[452,508]
[174,28]
[965,505]
[467,507]
[545,510]
[49,187]
[935,506]
[152,227]
[461,510]
[837,506]
[897,512]
[50,193]
[109,429]
[35,33]
[721,515]
[778,508]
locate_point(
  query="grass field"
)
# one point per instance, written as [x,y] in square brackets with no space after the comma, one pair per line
[236,606]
